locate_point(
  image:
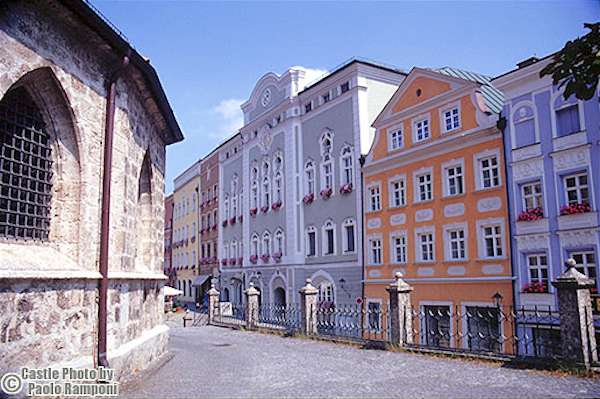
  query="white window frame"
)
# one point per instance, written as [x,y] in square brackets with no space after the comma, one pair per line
[446,167]
[348,223]
[279,242]
[448,241]
[401,179]
[585,265]
[478,160]
[266,192]
[308,231]
[393,133]
[403,247]
[481,238]
[347,153]
[578,187]
[537,203]
[309,182]
[372,240]
[374,199]
[265,244]
[425,231]
[278,182]
[255,245]
[539,267]
[417,185]
[254,195]
[450,108]
[415,127]
[325,176]
[328,225]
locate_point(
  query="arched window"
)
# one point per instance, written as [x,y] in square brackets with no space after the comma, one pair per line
[25,168]
[225,254]
[329,240]
[347,166]
[233,250]
[278,162]
[226,208]
[309,178]
[254,245]
[326,293]
[266,192]
[278,188]
[266,244]
[326,142]
[311,241]
[327,173]
[190,288]
[254,195]
[279,243]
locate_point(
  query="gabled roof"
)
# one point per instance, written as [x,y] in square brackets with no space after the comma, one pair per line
[494,98]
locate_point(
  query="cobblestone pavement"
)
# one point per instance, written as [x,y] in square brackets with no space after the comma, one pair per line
[216,362]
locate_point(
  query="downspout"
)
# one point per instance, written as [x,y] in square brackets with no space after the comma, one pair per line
[111,86]
[362,231]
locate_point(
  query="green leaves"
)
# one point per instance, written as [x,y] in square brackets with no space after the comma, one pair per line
[577,66]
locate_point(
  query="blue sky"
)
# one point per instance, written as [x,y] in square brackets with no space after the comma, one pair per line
[209,54]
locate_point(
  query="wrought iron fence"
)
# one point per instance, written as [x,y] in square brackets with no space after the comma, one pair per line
[489,330]
[279,316]
[230,313]
[353,321]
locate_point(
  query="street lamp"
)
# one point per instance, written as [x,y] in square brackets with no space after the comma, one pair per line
[497,297]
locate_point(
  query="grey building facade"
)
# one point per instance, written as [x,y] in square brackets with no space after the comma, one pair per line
[298,181]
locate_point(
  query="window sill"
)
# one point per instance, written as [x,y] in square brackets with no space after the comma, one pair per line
[453,197]
[424,263]
[499,258]
[423,202]
[486,189]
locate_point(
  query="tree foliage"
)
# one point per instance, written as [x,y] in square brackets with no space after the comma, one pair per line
[577,65]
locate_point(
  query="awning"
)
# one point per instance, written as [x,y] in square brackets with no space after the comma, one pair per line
[170,291]
[201,279]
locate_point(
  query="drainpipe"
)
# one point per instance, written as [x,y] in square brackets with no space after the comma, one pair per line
[362,231]
[111,85]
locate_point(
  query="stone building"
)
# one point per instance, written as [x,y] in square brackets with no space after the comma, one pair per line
[168,239]
[185,232]
[84,123]
[290,183]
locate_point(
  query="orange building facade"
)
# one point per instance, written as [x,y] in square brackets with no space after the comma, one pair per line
[435,205]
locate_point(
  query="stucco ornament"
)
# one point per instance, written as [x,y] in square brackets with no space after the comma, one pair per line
[265,98]
[265,139]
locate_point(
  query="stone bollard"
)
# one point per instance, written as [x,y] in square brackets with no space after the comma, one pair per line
[251,312]
[214,308]
[401,311]
[577,333]
[308,308]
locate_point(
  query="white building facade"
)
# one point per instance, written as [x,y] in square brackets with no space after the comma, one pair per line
[290,199]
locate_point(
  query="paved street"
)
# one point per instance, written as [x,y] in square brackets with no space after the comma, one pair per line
[216,362]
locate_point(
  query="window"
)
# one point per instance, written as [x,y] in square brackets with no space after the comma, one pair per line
[349,236]
[456,242]
[567,120]
[308,107]
[215,219]
[537,265]
[576,187]
[326,97]
[375,251]
[254,195]
[532,195]
[374,198]
[329,238]
[398,192]
[347,164]
[234,207]
[492,236]
[325,293]
[483,328]
[344,87]
[266,192]
[278,188]
[424,187]
[454,176]
[399,248]
[311,241]
[490,172]
[327,174]
[395,139]
[585,263]
[425,249]
[266,244]
[226,208]
[451,119]
[421,128]
[326,142]
[278,242]
[436,331]
[254,245]
[215,192]
[309,174]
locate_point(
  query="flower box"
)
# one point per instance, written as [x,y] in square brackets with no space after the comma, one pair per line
[214,227]
[265,258]
[232,221]
[573,209]
[202,231]
[308,198]
[536,287]
[212,259]
[276,205]
[531,215]
[326,193]
[232,261]
[224,262]
[240,261]
[241,218]
[224,223]
[264,209]
[346,188]
[253,259]
[253,211]
[277,256]
[193,239]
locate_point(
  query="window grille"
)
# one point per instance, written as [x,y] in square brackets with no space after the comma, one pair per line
[25,169]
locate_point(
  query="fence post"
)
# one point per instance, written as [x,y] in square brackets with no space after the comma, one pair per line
[213,303]
[401,311]
[251,306]
[308,308]
[577,332]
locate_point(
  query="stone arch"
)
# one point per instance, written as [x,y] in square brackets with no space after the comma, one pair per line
[277,281]
[321,277]
[143,217]
[47,93]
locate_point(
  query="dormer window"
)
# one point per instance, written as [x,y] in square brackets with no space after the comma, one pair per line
[421,129]
[344,87]
[451,119]
[326,97]
[308,107]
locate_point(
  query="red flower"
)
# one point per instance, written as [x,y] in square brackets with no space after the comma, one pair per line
[538,287]
[346,188]
[572,209]
[326,193]
[265,209]
[253,211]
[531,214]
[308,198]
[254,259]
[276,205]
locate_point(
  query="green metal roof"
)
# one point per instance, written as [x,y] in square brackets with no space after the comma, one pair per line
[494,98]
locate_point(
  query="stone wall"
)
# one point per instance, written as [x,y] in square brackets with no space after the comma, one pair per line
[48,291]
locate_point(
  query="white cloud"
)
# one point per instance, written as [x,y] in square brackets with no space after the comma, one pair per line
[230,118]
[312,74]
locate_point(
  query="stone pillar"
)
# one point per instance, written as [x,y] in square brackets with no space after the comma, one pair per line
[401,311]
[577,335]
[214,308]
[308,308]
[252,295]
